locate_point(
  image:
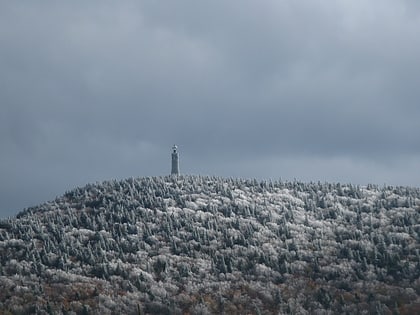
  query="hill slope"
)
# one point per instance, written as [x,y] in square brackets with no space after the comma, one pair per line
[203,245]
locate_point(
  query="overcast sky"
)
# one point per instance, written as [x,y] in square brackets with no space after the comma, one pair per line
[310,89]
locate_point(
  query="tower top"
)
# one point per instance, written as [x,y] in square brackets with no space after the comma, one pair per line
[175,148]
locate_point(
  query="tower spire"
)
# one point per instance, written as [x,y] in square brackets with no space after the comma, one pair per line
[175,161]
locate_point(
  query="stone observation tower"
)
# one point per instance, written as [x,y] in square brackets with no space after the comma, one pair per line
[175,161]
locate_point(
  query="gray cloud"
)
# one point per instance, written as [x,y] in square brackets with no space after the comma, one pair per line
[308,89]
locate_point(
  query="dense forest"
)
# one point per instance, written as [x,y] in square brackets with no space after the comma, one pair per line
[207,245]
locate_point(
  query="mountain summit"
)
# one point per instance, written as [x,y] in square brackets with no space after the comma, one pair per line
[206,245]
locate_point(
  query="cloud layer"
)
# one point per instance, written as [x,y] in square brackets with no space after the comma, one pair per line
[313,90]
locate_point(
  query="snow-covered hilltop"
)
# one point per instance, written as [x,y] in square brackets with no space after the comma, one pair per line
[203,245]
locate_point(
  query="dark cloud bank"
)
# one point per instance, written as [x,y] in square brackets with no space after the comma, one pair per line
[313,90]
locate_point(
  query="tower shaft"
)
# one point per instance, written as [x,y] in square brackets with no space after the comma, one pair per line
[175,161]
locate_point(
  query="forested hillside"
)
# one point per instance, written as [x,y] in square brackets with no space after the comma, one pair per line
[205,245]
